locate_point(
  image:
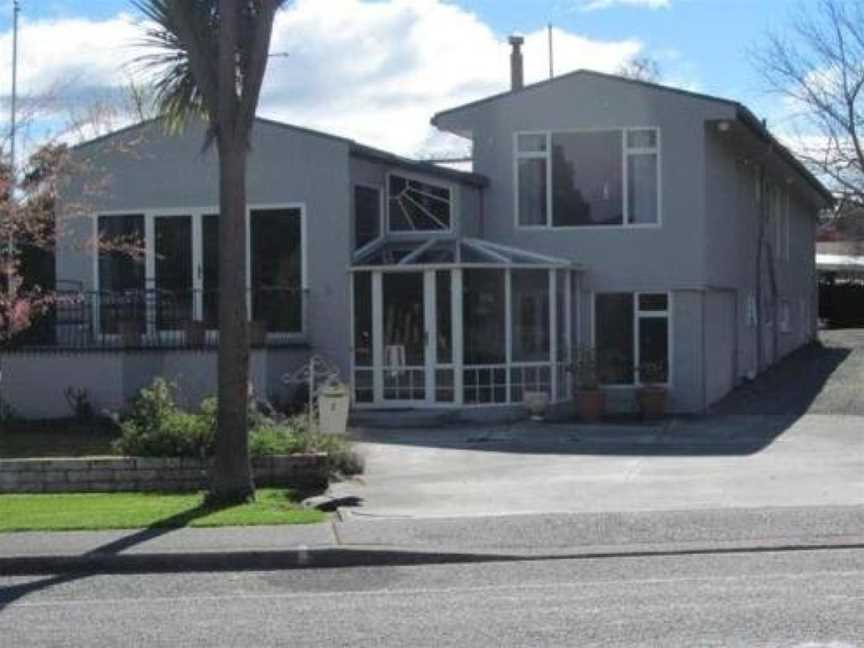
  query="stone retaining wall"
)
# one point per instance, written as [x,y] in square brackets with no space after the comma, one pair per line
[108,474]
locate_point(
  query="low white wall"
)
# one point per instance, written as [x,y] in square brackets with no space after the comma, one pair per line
[33,383]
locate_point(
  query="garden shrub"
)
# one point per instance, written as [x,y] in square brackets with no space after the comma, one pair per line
[157,427]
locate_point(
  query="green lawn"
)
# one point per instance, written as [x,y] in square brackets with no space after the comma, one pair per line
[94,511]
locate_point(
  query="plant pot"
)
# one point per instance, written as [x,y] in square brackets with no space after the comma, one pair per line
[652,402]
[257,333]
[590,404]
[196,333]
[130,333]
[536,402]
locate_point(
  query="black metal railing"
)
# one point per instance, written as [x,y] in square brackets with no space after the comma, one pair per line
[154,318]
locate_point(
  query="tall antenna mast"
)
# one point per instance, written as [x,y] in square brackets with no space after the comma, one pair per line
[551,54]
[13,127]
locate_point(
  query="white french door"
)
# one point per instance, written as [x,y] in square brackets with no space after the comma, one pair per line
[411,355]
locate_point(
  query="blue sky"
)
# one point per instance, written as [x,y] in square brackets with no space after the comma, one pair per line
[702,45]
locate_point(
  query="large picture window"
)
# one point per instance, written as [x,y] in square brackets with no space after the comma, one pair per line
[277,268]
[632,332]
[588,178]
[175,281]
[418,206]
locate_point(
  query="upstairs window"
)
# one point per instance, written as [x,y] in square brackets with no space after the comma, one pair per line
[418,206]
[367,215]
[588,178]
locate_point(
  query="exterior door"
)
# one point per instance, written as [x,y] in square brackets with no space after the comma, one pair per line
[404,337]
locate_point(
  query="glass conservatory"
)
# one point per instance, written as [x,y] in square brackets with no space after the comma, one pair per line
[460,323]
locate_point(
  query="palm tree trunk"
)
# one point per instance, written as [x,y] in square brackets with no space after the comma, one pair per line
[231,476]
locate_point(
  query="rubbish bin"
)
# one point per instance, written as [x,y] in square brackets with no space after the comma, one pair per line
[333,405]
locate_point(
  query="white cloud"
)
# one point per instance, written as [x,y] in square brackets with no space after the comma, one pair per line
[372,71]
[378,71]
[594,5]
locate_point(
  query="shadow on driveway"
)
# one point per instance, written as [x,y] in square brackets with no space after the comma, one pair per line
[821,378]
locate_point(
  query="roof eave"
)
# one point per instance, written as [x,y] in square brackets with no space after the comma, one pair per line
[751,121]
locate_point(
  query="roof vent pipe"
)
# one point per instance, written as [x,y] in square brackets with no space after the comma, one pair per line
[517,74]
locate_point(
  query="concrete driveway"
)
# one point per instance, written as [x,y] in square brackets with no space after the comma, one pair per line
[795,437]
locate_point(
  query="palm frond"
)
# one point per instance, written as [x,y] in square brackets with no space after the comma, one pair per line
[178,94]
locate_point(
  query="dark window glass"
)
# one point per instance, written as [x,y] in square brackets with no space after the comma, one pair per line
[367,215]
[210,269]
[444,317]
[404,325]
[532,191]
[654,345]
[417,206]
[363,319]
[654,302]
[277,295]
[587,183]
[173,266]
[117,269]
[121,274]
[484,317]
[614,337]
[530,317]
[642,187]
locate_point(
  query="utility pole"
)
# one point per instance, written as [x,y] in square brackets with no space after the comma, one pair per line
[13,127]
[551,54]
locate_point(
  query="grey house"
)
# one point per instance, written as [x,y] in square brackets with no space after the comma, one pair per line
[600,212]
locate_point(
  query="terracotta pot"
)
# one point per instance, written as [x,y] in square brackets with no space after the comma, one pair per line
[196,333]
[590,404]
[257,333]
[652,402]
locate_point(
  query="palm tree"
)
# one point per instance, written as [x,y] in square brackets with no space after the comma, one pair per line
[210,57]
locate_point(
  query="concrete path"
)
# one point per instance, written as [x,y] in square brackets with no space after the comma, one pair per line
[727,462]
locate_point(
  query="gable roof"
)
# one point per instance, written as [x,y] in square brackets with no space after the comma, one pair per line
[742,113]
[354,148]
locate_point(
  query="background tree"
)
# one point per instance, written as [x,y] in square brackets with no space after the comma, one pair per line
[210,60]
[818,67]
[641,68]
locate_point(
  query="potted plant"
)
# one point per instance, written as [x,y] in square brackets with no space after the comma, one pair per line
[590,400]
[652,390]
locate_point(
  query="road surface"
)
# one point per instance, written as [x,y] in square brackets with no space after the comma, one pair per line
[793,598]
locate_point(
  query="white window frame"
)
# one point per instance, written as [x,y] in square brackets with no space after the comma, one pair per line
[454,206]
[626,152]
[197,215]
[382,219]
[637,315]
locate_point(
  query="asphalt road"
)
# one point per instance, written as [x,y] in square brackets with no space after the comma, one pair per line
[796,598]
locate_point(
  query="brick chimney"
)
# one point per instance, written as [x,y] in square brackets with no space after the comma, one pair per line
[517,73]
